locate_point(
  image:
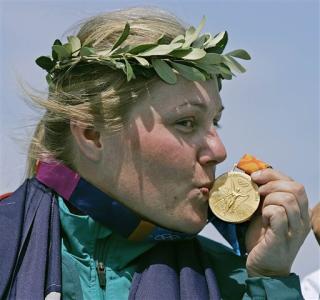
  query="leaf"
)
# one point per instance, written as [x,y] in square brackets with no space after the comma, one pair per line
[53,53]
[210,69]
[218,43]
[129,71]
[201,25]
[225,72]
[123,36]
[189,72]
[75,43]
[240,53]
[142,48]
[61,51]
[178,39]
[120,50]
[226,76]
[163,39]
[68,47]
[189,54]
[215,40]
[198,43]
[161,50]
[87,51]
[211,59]
[45,63]
[193,34]
[145,72]
[117,64]
[233,64]
[57,42]
[164,71]
[50,81]
[190,37]
[142,61]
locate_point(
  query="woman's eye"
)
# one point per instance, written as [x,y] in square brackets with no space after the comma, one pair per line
[216,124]
[188,123]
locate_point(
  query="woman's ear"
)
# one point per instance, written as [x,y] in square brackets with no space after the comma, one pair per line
[88,140]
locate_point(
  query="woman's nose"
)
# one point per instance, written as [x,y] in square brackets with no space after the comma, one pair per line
[212,150]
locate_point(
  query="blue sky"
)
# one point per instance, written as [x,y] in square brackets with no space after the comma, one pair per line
[272,111]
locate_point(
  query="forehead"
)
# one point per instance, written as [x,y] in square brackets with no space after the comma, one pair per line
[184,95]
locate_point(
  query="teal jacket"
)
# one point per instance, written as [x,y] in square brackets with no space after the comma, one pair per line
[86,245]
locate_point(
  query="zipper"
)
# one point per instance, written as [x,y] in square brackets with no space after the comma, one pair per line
[101,271]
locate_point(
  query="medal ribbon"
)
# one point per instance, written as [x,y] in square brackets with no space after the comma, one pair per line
[249,164]
[101,207]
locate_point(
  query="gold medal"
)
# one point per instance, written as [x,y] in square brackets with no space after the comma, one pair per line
[234,196]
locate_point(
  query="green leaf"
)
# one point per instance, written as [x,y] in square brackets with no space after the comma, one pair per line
[190,37]
[129,71]
[50,81]
[193,34]
[61,52]
[218,43]
[226,76]
[214,41]
[164,71]
[201,25]
[54,54]
[117,64]
[189,54]
[210,69]
[45,63]
[233,64]
[161,50]
[142,61]
[57,42]
[225,72]
[87,51]
[163,39]
[178,39]
[211,59]
[198,43]
[189,72]
[240,53]
[145,72]
[123,36]
[75,43]
[142,48]
[120,50]
[68,47]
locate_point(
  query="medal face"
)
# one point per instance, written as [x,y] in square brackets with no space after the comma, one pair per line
[234,197]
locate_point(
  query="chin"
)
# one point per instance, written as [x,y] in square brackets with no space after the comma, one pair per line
[193,224]
[195,228]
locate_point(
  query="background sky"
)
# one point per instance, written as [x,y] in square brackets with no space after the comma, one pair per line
[271,111]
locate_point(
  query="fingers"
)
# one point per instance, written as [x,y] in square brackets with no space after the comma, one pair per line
[276,217]
[290,205]
[283,196]
[295,190]
[266,175]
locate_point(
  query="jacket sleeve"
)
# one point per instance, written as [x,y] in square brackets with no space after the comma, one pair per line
[280,288]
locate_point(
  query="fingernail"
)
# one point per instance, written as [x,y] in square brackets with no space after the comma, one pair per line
[256,174]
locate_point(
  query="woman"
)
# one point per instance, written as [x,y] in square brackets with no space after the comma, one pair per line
[124,157]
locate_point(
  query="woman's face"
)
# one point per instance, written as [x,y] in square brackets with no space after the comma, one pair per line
[165,154]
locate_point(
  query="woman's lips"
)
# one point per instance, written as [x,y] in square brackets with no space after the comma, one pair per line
[204,191]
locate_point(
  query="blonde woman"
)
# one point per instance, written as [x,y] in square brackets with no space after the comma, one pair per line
[119,174]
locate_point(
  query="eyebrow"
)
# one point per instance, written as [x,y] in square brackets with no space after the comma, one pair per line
[200,105]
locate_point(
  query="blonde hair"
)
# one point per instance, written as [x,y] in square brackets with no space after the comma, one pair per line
[94,94]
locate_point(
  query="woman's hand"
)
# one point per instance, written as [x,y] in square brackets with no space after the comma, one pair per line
[274,237]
